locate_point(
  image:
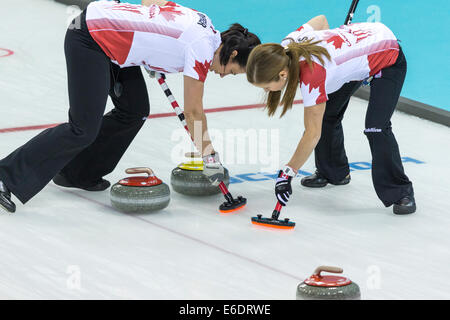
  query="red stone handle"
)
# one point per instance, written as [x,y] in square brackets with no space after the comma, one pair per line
[148,171]
[327,269]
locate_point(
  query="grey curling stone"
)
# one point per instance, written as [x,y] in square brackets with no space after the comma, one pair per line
[140,194]
[318,287]
[194,182]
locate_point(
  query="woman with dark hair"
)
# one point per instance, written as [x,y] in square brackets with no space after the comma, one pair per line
[105,47]
[330,65]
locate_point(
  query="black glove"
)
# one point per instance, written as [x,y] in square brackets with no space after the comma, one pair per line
[283,187]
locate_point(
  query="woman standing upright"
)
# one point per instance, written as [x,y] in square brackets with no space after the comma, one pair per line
[330,65]
[105,47]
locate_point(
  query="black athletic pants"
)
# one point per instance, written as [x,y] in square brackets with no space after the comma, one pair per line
[388,176]
[91,144]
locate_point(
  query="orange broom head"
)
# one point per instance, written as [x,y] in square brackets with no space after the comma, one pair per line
[233,210]
[273,226]
[234,205]
[273,223]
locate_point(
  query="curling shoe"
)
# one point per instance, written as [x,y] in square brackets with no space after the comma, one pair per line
[405,205]
[100,185]
[5,199]
[318,181]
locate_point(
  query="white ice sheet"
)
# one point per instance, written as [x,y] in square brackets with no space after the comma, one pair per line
[67,244]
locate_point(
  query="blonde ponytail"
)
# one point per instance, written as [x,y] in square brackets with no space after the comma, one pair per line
[266,62]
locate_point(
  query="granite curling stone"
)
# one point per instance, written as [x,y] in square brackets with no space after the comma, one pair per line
[188,178]
[140,193]
[319,287]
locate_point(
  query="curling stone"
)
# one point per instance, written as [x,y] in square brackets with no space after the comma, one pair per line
[140,193]
[188,178]
[319,287]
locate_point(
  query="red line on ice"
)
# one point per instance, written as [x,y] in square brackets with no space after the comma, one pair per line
[152,116]
[7,54]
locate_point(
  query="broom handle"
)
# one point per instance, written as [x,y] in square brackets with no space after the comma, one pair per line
[351,12]
[276,212]
[180,114]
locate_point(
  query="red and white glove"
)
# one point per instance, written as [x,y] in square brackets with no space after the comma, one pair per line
[213,169]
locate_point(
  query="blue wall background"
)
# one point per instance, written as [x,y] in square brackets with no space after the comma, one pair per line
[420,25]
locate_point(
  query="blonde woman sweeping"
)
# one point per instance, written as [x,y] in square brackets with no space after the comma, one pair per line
[330,65]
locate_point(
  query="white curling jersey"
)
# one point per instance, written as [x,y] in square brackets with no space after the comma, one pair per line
[357,52]
[166,39]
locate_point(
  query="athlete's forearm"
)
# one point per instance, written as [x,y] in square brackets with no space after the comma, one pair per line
[198,127]
[313,116]
[157,2]
[207,144]
[195,116]
[319,23]
[304,150]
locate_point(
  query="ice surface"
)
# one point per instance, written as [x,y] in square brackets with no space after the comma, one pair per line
[70,244]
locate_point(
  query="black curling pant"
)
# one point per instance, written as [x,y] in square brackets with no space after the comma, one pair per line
[388,176]
[89,145]
[118,129]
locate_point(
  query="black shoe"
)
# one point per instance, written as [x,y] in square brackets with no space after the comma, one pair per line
[318,181]
[5,199]
[406,205]
[100,185]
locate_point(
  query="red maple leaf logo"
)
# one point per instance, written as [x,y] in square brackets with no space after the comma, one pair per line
[335,39]
[300,29]
[314,79]
[170,12]
[202,69]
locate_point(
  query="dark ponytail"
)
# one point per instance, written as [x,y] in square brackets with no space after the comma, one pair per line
[240,39]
